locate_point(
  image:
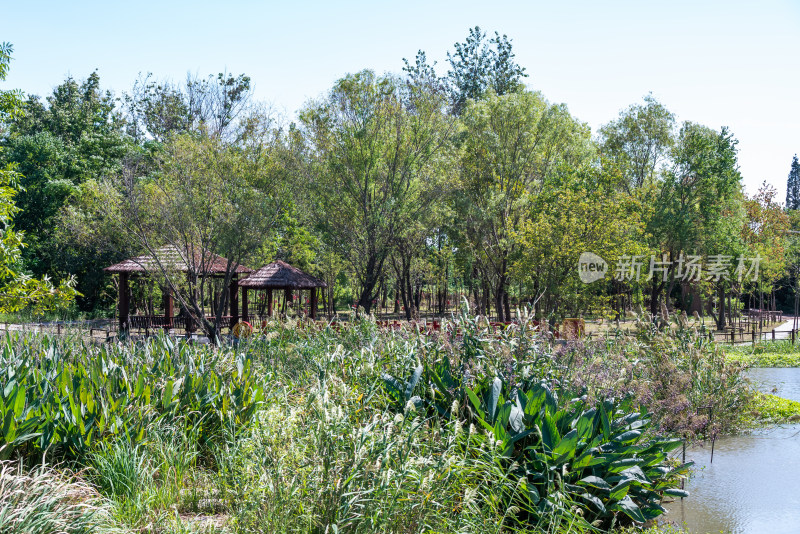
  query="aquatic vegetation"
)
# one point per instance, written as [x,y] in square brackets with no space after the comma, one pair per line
[771,409]
[361,429]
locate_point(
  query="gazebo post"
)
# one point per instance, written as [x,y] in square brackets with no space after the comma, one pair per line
[312,312]
[233,299]
[124,302]
[245,313]
[287,298]
[269,303]
[169,306]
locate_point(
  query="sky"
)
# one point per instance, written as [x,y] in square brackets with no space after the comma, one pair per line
[731,63]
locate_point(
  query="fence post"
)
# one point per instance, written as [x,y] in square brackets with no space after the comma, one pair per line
[733,336]
[773,334]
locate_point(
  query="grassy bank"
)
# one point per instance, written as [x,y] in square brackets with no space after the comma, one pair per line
[766,354]
[362,430]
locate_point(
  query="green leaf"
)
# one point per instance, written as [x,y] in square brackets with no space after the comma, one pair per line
[604,421]
[550,435]
[567,443]
[494,397]
[620,490]
[626,437]
[412,382]
[595,482]
[476,403]
[19,402]
[515,420]
[630,509]
[595,501]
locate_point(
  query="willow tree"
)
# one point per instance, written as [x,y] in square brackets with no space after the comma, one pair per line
[374,146]
[512,144]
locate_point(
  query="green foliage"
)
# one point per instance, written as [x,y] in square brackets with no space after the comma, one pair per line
[765,354]
[771,409]
[568,453]
[512,147]
[638,142]
[602,457]
[17,289]
[793,186]
[377,147]
[70,398]
[120,470]
[477,66]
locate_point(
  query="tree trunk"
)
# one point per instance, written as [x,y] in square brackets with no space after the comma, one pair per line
[372,276]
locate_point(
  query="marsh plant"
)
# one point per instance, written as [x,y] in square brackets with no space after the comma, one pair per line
[360,429]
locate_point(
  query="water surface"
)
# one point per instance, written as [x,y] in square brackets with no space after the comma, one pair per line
[783,382]
[753,484]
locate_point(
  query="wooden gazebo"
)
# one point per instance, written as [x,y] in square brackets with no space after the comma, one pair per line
[280,275]
[171,259]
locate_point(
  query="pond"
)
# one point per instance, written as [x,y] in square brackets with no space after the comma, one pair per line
[753,484]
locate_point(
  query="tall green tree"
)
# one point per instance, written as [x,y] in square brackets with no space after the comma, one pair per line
[793,186]
[74,135]
[17,289]
[374,146]
[512,145]
[698,208]
[478,65]
[638,142]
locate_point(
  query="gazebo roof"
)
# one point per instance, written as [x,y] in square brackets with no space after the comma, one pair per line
[281,275]
[171,258]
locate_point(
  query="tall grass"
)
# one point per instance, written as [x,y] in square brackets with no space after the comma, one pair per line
[45,501]
[295,430]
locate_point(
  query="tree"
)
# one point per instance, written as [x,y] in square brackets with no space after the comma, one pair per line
[765,234]
[477,66]
[698,206]
[17,289]
[793,186]
[157,110]
[205,197]
[512,145]
[58,144]
[373,146]
[583,213]
[638,141]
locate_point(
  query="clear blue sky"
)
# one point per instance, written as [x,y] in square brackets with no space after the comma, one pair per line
[719,63]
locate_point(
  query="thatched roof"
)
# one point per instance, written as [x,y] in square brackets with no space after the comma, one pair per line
[281,275]
[171,258]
